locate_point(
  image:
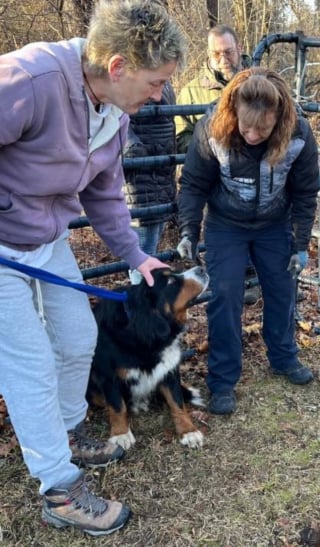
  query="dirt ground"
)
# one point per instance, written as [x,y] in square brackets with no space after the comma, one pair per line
[254,483]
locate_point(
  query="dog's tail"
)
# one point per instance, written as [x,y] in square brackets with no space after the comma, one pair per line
[192,395]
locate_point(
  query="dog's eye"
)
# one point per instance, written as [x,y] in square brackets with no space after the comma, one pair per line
[171,280]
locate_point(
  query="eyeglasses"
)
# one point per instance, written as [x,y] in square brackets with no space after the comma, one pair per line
[226,53]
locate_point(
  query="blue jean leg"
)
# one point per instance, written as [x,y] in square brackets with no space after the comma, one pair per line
[149,236]
[270,251]
[271,254]
[226,259]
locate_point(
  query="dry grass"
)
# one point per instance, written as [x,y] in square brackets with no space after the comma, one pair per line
[255,482]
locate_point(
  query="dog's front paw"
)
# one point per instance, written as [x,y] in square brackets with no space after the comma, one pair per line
[193,439]
[126,440]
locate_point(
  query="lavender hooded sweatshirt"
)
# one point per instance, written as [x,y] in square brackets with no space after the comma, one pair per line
[47,174]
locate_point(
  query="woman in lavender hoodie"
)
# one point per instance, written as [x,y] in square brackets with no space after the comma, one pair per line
[63,123]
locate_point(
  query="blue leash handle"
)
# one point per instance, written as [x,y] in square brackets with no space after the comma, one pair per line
[44,275]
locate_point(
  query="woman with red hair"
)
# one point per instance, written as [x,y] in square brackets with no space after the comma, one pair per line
[253,163]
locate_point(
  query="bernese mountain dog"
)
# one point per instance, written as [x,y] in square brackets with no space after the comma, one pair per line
[139,350]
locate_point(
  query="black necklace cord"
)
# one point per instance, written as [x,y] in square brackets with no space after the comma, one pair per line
[99,103]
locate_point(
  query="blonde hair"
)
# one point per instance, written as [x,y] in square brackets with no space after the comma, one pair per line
[140,30]
[260,91]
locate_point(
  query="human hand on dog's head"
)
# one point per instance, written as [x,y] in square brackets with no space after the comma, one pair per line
[147,266]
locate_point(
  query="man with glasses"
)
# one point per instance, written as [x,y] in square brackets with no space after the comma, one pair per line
[223,62]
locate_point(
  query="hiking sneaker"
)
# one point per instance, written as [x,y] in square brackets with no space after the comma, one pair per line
[222,403]
[90,452]
[298,374]
[78,507]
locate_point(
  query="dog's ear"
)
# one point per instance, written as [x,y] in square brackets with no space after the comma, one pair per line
[145,318]
[150,327]
[160,278]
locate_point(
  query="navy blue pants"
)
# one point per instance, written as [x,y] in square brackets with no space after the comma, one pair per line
[227,249]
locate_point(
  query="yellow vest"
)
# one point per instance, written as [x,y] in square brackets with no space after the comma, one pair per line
[203,89]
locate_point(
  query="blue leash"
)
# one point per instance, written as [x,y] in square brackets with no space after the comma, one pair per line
[44,275]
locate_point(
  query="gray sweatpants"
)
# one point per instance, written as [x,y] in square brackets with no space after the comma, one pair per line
[44,369]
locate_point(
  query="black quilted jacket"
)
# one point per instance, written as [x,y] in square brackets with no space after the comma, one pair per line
[151,136]
[238,187]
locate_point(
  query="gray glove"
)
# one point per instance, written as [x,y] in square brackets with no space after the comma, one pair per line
[187,248]
[297,262]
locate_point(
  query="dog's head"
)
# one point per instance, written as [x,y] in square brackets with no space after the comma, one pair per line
[152,315]
[161,310]
[174,292]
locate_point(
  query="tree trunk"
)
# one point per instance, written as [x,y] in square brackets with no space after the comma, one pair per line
[84,9]
[213,12]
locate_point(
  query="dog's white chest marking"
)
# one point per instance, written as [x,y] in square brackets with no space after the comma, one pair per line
[146,382]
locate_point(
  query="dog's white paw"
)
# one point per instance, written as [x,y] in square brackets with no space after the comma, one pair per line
[194,439]
[126,440]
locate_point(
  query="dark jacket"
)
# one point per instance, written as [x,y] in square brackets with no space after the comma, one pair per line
[151,136]
[240,188]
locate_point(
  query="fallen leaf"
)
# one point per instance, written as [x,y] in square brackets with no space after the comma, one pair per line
[203,347]
[200,416]
[306,326]
[255,328]
[8,446]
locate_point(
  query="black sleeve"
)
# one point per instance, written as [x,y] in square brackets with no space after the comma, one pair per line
[200,172]
[134,147]
[304,185]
